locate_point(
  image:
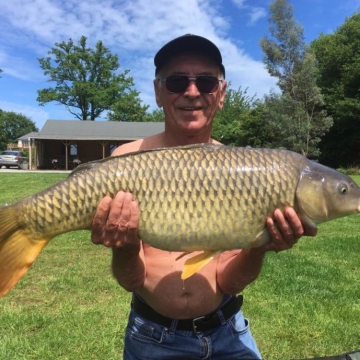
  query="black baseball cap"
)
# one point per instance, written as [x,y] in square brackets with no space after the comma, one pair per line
[188,43]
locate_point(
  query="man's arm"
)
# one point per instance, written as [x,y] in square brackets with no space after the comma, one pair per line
[115,225]
[237,269]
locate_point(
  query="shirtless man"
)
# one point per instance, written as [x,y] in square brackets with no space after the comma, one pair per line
[166,317]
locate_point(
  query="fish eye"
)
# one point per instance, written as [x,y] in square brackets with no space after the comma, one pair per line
[343,188]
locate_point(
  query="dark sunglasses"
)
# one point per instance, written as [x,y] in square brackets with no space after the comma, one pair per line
[179,83]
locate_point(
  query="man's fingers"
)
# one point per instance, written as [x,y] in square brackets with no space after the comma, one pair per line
[115,212]
[294,221]
[100,218]
[116,221]
[133,223]
[284,227]
[102,212]
[273,230]
[276,242]
[284,230]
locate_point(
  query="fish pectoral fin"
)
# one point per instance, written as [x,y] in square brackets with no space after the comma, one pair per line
[262,238]
[197,262]
[17,253]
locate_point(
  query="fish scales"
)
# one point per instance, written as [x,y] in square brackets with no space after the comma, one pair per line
[200,197]
[180,192]
[197,216]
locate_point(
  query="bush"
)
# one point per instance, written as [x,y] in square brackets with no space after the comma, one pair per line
[352,170]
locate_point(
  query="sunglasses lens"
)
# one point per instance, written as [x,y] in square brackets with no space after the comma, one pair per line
[204,83]
[207,84]
[177,83]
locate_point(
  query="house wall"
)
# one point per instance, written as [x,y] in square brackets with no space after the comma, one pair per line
[87,150]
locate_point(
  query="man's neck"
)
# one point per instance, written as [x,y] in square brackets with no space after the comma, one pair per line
[169,139]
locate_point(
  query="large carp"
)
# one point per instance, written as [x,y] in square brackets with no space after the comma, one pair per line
[200,197]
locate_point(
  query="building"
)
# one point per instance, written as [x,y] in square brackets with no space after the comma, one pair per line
[63,144]
[23,143]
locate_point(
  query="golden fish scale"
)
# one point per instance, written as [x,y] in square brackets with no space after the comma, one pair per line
[190,198]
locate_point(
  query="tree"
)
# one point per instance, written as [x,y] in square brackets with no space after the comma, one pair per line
[128,108]
[338,57]
[297,120]
[301,119]
[156,115]
[13,126]
[255,127]
[283,54]
[86,82]
[237,108]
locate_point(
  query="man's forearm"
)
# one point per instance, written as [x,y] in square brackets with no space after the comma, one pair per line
[237,269]
[128,268]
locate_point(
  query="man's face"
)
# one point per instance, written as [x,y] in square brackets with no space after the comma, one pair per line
[190,111]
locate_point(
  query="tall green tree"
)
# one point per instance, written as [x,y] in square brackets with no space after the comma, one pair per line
[298,120]
[301,119]
[128,108]
[85,79]
[285,49]
[13,126]
[338,59]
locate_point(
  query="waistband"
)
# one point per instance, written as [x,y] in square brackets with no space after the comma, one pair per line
[199,324]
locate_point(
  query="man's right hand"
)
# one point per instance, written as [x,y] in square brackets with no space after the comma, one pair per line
[115,223]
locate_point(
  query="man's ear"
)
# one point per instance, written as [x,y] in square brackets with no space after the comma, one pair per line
[157,90]
[222,95]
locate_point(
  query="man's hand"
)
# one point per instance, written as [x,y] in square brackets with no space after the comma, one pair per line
[285,230]
[115,223]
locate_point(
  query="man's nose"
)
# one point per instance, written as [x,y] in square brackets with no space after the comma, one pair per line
[192,89]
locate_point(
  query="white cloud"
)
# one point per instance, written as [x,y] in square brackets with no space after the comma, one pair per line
[19,67]
[137,24]
[242,70]
[134,30]
[239,3]
[256,13]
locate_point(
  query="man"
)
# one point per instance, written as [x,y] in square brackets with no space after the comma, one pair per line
[201,317]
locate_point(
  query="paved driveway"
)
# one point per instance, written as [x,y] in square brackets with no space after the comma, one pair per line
[15,170]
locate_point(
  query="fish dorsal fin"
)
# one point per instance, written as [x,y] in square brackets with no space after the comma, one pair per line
[197,262]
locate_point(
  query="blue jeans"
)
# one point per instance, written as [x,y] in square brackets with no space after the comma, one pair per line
[146,340]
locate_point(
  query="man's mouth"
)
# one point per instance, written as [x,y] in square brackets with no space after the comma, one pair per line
[190,108]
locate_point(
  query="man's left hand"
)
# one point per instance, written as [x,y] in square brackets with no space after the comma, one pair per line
[285,230]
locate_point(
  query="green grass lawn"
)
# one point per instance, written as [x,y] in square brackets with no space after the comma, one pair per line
[305,303]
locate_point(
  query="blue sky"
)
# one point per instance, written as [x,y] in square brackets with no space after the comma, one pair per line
[135,30]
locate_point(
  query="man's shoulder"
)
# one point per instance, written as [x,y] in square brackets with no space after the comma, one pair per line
[127,148]
[148,143]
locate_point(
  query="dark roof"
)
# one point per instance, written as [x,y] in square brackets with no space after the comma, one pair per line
[98,130]
[29,135]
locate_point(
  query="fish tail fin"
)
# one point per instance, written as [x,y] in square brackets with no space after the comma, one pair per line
[197,262]
[18,248]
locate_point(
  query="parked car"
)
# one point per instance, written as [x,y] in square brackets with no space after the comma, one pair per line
[12,158]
